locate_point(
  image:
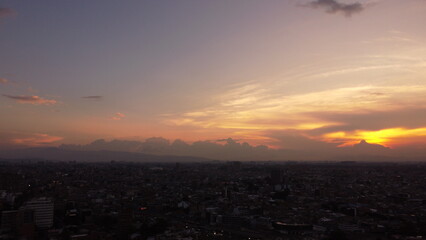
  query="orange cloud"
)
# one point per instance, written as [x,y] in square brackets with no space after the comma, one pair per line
[118,116]
[35,140]
[6,12]
[36,100]
[4,81]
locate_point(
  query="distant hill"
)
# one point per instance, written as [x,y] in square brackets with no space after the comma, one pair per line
[160,150]
[58,154]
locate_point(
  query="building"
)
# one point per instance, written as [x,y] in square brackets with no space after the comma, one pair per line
[43,212]
[18,223]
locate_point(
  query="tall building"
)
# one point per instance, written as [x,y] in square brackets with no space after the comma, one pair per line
[43,212]
[18,223]
[9,220]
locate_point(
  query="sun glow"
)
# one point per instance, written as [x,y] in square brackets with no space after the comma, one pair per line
[386,137]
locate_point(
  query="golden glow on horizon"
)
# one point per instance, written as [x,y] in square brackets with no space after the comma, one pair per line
[386,137]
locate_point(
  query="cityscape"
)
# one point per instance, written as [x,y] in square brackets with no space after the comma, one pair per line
[212,200]
[212,120]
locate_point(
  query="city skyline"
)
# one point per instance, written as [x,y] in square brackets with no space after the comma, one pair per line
[299,75]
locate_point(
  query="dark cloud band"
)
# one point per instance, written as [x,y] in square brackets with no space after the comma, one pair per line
[92,97]
[333,7]
[31,100]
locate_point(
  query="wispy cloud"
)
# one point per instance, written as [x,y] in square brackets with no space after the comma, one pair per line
[359,69]
[394,37]
[6,12]
[10,139]
[333,7]
[92,97]
[4,81]
[255,106]
[37,139]
[296,112]
[36,100]
[118,116]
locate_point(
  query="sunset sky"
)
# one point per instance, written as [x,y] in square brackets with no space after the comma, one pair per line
[292,74]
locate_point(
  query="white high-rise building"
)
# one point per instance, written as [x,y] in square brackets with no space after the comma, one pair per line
[43,212]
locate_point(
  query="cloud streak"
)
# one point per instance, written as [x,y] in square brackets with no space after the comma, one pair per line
[118,116]
[4,81]
[37,139]
[36,100]
[92,97]
[333,7]
[6,12]
[19,139]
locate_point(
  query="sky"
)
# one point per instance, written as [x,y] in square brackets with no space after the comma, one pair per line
[302,75]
